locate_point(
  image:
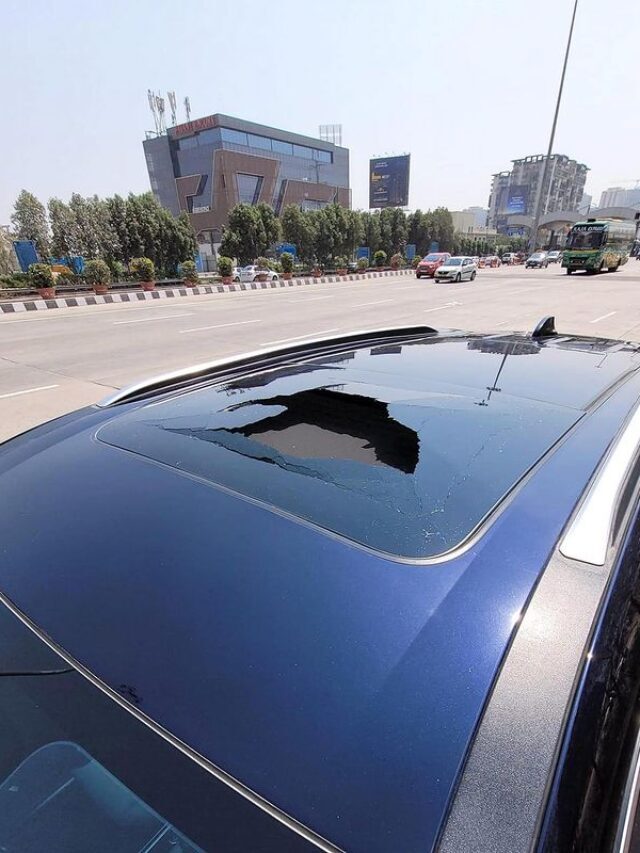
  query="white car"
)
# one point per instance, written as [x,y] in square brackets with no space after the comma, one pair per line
[457,269]
[251,272]
[236,273]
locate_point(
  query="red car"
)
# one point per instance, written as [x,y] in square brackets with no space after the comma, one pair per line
[430,263]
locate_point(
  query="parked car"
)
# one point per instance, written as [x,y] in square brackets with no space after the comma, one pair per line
[430,263]
[457,269]
[492,261]
[509,258]
[554,257]
[250,273]
[538,260]
[236,273]
[392,575]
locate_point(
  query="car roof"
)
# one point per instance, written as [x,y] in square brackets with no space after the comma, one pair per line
[340,684]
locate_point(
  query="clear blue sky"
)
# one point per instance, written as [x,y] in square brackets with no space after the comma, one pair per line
[75,75]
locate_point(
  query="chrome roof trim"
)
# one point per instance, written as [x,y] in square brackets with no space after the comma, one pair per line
[206,369]
[588,536]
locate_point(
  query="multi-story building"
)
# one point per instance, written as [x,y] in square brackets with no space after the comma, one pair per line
[465,222]
[207,166]
[619,197]
[517,192]
[479,215]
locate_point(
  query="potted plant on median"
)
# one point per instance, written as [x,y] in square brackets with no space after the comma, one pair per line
[380,258]
[189,273]
[286,262]
[363,264]
[41,278]
[396,261]
[98,275]
[144,271]
[262,265]
[225,268]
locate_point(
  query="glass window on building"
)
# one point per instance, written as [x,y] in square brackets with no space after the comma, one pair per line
[303,151]
[322,156]
[188,142]
[234,136]
[207,137]
[248,188]
[281,147]
[259,141]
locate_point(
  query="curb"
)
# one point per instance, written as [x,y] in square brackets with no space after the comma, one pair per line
[171,292]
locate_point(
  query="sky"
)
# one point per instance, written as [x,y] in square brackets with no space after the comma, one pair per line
[465,86]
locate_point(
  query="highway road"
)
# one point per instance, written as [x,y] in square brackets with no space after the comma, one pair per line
[54,361]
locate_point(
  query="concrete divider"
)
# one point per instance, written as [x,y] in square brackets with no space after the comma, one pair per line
[133,296]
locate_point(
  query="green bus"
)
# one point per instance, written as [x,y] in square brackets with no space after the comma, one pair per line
[598,244]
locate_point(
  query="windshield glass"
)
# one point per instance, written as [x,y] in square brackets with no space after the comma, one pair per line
[453,262]
[586,237]
[433,258]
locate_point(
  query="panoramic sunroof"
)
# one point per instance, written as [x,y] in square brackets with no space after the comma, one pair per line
[393,461]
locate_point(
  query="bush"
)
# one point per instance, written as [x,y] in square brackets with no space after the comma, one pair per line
[143,269]
[363,263]
[341,263]
[16,279]
[397,261]
[416,260]
[40,276]
[286,261]
[225,266]
[65,277]
[189,271]
[262,263]
[97,273]
[118,270]
[380,258]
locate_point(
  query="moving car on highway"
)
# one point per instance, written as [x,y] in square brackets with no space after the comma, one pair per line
[456,269]
[598,245]
[374,592]
[538,260]
[509,258]
[251,273]
[554,257]
[429,264]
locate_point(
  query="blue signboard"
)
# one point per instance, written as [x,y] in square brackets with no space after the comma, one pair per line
[389,181]
[74,262]
[363,252]
[518,199]
[286,247]
[434,247]
[410,251]
[25,253]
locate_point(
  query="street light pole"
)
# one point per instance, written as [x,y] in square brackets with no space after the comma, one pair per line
[545,170]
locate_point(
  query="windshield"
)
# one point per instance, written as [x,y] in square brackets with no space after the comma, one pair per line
[433,258]
[586,237]
[453,262]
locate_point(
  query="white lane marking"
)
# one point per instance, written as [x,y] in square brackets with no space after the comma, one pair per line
[28,391]
[603,317]
[217,326]
[377,302]
[300,337]
[151,319]
[440,307]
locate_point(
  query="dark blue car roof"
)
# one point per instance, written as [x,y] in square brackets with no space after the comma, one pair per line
[340,684]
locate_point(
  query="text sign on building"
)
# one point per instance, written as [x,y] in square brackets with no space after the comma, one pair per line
[191,127]
[518,199]
[389,181]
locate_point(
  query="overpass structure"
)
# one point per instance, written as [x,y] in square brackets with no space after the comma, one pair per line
[562,220]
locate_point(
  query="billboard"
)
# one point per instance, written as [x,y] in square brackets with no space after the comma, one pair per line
[389,181]
[517,199]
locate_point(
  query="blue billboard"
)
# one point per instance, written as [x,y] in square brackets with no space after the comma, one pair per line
[25,253]
[517,199]
[389,181]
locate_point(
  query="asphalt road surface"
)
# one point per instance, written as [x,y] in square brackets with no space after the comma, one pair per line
[54,361]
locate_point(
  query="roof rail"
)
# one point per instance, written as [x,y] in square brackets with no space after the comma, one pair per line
[266,357]
[546,328]
[588,536]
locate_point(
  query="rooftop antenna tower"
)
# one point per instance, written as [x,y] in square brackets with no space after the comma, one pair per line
[160,110]
[172,104]
[154,111]
[187,108]
[331,133]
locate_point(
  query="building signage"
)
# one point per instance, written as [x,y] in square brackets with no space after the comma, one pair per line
[191,127]
[203,208]
[389,181]
[518,199]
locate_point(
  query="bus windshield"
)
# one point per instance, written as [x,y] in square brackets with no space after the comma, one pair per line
[586,237]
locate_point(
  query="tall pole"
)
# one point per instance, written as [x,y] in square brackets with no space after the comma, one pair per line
[533,237]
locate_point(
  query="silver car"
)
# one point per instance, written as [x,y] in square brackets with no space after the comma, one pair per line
[457,269]
[251,272]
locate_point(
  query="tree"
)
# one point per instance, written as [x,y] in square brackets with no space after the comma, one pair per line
[250,237]
[29,220]
[419,231]
[443,230]
[64,231]
[117,212]
[297,228]
[386,239]
[270,223]
[8,262]
[86,224]
[354,232]
[371,227]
